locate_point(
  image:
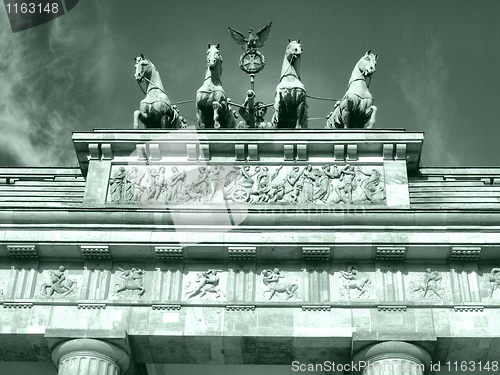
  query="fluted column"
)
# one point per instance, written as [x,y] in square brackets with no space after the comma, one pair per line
[89,357]
[393,358]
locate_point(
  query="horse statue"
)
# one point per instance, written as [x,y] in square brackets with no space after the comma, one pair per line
[290,107]
[155,110]
[356,109]
[213,110]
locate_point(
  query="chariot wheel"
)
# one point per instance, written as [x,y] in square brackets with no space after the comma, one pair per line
[239,195]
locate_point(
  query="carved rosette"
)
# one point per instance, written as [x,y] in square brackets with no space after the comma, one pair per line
[322,185]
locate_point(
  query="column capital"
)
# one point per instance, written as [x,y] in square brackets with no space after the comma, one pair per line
[116,354]
[393,350]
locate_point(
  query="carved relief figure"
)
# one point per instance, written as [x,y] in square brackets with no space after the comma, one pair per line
[240,189]
[351,280]
[202,185]
[356,109]
[290,107]
[132,280]
[292,185]
[58,284]
[308,179]
[215,179]
[271,279]
[371,186]
[161,183]
[176,184]
[429,285]
[264,190]
[128,194]
[494,280]
[207,282]
[347,185]
[116,185]
[325,176]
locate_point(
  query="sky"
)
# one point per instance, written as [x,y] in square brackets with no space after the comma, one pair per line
[438,68]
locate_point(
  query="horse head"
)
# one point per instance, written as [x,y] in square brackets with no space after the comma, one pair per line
[213,56]
[293,50]
[367,65]
[143,68]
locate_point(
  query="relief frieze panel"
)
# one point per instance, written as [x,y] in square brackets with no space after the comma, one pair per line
[59,282]
[430,285]
[326,184]
[489,283]
[178,283]
[352,283]
[131,282]
[278,284]
[207,285]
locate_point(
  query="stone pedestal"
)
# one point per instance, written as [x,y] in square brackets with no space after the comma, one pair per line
[393,357]
[90,357]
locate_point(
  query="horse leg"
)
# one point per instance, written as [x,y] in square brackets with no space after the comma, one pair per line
[272,294]
[216,106]
[138,115]
[301,117]
[345,111]
[200,118]
[163,122]
[371,120]
[141,291]
[276,107]
[118,289]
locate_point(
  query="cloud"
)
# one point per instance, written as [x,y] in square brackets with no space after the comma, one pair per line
[44,85]
[423,85]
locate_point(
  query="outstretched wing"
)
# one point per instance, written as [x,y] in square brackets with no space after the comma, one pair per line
[238,38]
[262,34]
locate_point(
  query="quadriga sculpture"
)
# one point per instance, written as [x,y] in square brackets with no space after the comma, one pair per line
[155,110]
[213,110]
[356,109]
[290,107]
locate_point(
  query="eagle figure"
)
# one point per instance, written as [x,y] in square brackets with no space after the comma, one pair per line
[253,40]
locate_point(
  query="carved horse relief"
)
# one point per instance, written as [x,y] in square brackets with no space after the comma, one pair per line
[213,110]
[290,107]
[356,109]
[271,279]
[155,110]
